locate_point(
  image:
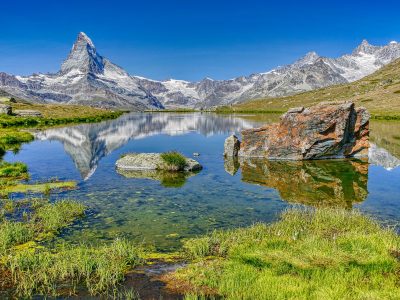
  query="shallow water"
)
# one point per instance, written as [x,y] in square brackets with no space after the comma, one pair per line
[160,210]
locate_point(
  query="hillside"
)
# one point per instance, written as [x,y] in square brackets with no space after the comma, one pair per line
[379,92]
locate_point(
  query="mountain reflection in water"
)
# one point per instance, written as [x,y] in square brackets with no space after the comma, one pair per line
[86,144]
[317,183]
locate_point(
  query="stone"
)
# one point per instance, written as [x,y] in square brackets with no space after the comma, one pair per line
[27,113]
[151,161]
[327,130]
[5,109]
[231,146]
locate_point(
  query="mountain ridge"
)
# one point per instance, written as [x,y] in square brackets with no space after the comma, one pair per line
[87,78]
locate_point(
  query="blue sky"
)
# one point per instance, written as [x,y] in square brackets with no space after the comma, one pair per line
[190,39]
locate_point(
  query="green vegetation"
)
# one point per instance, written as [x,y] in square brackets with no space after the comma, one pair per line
[11,139]
[12,171]
[53,114]
[41,188]
[308,254]
[53,217]
[378,92]
[35,269]
[174,160]
[100,269]
[11,175]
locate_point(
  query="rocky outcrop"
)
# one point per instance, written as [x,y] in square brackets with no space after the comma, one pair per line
[151,161]
[231,146]
[27,113]
[5,109]
[324,131]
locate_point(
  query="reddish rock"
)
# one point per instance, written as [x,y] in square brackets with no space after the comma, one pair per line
[327,130]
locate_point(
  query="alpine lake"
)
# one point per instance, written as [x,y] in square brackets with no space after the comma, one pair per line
[161,210]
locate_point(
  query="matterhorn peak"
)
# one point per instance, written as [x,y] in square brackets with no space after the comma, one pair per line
[82,37]
[83,57]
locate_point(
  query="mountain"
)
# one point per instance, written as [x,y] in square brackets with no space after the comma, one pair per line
[85,78]
[88,78]
[378,92]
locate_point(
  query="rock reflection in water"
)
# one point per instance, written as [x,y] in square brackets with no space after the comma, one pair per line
[317,183]
[167,179]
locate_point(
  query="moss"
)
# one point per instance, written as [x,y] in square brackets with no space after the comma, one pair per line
[42,188]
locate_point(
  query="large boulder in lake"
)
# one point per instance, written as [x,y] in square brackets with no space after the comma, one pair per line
[324,131]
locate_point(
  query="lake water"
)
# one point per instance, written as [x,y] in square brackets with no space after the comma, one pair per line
[225,194]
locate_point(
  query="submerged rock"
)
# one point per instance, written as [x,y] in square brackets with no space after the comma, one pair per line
[327,130]
[231,146]
[151,161]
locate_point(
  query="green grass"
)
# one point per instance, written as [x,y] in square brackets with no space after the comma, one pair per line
[174,161]
[12,171]
[100,269]
[308,254]
[14,233]
[53,217]
[35,269]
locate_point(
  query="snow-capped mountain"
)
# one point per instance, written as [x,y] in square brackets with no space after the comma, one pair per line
[85,78]
[308,73]
[88,78]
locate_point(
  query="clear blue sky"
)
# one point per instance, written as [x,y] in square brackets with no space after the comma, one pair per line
[190,39]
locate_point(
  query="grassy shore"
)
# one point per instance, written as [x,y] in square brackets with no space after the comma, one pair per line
[56,114]
[326,253]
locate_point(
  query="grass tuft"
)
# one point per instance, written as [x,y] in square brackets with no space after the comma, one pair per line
[174,160]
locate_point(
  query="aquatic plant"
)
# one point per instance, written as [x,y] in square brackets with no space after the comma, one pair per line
[308,254]
[174,160]
[54,216]
[14,233]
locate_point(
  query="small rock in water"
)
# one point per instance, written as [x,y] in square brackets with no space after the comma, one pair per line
[196,154]
[151,161]
[231,146]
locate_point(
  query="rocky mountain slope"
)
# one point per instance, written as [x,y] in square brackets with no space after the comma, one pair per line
[88,78]
[378,92]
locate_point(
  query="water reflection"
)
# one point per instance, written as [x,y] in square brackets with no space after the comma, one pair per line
[167,179]
[87,144]
[317,183]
